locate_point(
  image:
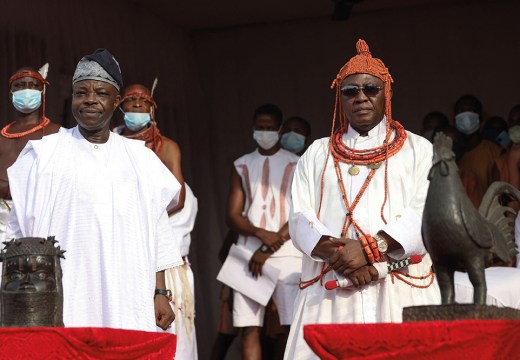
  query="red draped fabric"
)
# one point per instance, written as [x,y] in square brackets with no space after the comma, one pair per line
[85,343]
[464,339]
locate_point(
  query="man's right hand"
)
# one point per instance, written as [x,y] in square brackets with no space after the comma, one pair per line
[272,239]
[364,275]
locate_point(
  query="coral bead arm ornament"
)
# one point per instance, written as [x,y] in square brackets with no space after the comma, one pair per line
[5,130]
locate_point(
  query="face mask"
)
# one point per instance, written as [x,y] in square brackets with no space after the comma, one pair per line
[467,122]
[27,100]
[503,139]
[514,134]
[293,142]
[266,139]
[136,121]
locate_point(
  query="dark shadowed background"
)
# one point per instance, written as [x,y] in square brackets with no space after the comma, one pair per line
[218,60]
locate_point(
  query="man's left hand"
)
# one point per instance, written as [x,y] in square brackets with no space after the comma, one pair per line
[350,258]
[164,315]
[257,262]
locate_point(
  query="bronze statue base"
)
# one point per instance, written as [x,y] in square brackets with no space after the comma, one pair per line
[458,312]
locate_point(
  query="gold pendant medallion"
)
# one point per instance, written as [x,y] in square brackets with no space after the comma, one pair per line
[374,166]
[353,170]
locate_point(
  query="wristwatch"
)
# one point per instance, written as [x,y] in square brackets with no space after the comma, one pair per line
[165,292]
[382,245]
[265,249]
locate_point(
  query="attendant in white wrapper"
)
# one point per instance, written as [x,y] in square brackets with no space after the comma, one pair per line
[357,201]
[104,197]
[180,280]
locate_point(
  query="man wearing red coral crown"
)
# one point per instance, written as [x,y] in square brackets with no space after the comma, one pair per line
[357,203]
[27,92]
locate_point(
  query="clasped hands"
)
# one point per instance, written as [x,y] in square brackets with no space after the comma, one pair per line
[274,241]
[350,261]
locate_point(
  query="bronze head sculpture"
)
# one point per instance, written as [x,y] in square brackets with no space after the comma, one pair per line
[31,292]
[457,235]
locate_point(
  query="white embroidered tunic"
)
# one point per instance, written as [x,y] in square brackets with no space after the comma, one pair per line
[266,181]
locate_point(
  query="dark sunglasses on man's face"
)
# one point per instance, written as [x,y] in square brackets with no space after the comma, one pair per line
[353,90]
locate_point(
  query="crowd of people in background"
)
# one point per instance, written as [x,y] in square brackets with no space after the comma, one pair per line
[284,209]
[485,150]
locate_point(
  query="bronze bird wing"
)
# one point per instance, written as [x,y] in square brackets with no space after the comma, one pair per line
[476,226]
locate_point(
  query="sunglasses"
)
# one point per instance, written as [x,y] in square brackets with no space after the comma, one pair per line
[353,90]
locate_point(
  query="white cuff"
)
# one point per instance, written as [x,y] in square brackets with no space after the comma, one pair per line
[382,269]
[405,228]
[308,233]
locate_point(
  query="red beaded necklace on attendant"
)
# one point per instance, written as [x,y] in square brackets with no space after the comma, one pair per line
[44,120]
[150,134]
[5,130]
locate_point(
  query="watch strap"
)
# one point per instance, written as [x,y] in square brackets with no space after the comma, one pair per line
[165,292]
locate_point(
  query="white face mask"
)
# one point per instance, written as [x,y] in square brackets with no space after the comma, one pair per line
[293,142]
[514,134]
[266,139]
[467,122]
[27,100]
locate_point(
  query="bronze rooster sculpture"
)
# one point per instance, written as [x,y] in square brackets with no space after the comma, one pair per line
[457,235]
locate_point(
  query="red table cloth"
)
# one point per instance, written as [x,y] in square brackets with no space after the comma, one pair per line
[464,339]
[84,343]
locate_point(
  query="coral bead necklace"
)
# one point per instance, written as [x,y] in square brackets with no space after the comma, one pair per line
[5,130]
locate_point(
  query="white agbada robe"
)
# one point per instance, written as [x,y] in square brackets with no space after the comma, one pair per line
[106,205]
[379,301]
[181,280]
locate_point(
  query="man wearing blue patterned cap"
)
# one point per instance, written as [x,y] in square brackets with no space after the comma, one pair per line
[104,197]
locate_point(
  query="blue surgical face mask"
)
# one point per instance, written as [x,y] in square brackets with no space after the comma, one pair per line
[467,122]
[266,139]
[136,121]
[503,140]
[293,142]
[27,100]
